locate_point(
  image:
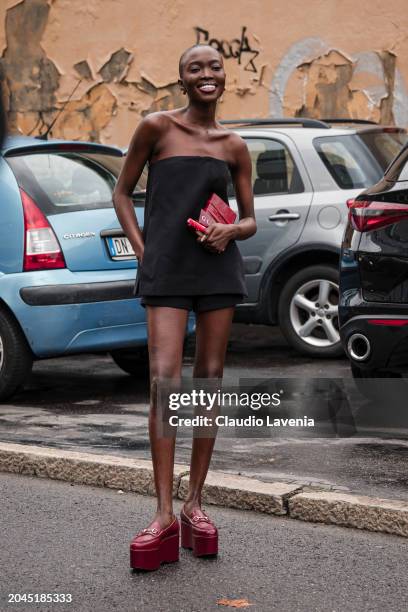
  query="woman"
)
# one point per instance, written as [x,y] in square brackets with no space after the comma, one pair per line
[189,155]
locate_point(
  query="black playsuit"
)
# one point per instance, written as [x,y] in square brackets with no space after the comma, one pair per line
[174,264]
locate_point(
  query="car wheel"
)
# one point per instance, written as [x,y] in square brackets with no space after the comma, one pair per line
[308,312]
[134,361]
[16,358]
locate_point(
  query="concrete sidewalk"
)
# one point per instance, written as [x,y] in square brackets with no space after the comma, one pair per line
[232,491]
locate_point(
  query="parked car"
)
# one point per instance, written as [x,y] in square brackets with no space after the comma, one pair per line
[304,171]
[373,308]
[67,273]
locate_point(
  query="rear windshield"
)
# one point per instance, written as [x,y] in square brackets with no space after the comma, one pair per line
[62,182]
[359,160]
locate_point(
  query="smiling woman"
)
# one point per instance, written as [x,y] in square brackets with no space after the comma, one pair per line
[191,157]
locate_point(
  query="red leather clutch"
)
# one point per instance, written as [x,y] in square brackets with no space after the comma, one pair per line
[219,210]
[215,209]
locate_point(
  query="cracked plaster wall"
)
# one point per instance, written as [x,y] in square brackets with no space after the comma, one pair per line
[118,60]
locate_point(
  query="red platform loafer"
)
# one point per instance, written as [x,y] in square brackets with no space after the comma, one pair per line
[199,533]
[154,545]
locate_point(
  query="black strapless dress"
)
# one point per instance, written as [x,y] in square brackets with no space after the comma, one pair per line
[174,263]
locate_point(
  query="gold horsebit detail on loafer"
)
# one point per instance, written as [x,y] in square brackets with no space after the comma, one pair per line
[152,530]
[196,519]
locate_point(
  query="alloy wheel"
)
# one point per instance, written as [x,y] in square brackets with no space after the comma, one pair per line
[314,313]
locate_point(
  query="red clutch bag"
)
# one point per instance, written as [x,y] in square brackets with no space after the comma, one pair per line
[217,210]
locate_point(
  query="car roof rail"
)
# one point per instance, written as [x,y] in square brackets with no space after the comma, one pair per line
[358,121]
[303,121]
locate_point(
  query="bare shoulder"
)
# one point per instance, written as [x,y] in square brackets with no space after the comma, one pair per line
[157,121]
[238,144]
[148,133]
[237,148]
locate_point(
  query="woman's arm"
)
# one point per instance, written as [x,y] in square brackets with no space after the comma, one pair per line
[141,146]
[219,235]
[241,173]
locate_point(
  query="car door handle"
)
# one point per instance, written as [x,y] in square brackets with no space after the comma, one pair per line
[284,216]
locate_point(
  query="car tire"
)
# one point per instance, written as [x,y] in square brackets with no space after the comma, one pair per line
[16,358]
[134,361]
[299,314]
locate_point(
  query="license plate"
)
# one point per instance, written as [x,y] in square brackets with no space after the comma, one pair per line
[120,247]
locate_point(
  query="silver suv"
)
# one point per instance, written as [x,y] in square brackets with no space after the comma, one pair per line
[304,171]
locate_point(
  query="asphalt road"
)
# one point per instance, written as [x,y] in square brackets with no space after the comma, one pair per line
[62,538]
[86,402]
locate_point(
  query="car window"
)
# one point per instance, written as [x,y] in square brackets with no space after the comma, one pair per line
[273,168]
[357,161]
[62,182]
[386,145]
[114,166]
[350,162]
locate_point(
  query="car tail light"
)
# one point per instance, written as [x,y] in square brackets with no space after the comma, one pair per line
[365,215]
[41,247]
[393,130]
[390,322]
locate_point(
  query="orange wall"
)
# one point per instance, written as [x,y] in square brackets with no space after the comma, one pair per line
[317,58]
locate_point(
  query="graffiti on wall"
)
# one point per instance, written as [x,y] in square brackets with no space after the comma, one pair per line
[312,78]
[235,48]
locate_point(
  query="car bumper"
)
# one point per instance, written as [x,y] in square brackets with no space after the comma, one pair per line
[77,293]
[375,342]
[64,312]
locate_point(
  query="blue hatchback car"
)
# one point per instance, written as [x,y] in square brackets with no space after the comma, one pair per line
[67,271]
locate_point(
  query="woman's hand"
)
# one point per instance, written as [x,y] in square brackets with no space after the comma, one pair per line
[217,237]
[139,257]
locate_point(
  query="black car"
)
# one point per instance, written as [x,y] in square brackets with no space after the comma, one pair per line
[373,307]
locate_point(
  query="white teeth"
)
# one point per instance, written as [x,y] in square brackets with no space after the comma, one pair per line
[207,87]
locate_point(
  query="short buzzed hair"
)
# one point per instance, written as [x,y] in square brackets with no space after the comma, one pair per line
[183,55]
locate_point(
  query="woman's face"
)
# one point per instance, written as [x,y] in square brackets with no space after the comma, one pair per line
[203,75]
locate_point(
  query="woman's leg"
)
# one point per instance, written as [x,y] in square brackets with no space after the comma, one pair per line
[212,332]
[166,332]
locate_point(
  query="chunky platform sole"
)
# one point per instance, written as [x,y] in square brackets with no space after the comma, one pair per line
[202,546]
[166,552]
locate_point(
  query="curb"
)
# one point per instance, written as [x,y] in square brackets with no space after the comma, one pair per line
[277,498]
[348,510]
[110,471]
[243,493]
